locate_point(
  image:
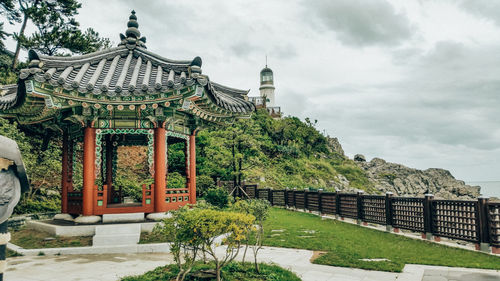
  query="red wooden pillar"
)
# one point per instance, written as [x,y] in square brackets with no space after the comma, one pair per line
[160,170]
[88,170]
[192,168]
[64,173]
[109,169]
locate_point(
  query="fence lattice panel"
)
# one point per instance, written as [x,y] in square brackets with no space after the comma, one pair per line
[250,190]
[328,203]
[455,219]
[494,223]
[312,201]
[408,213]
[373,207]
[290,195]
[299,200]
[348,205]
[263,193]
[278,197]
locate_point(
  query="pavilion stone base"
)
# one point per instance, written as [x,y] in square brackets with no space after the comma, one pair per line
[77,230]
[128,217]
[158,216]
[87,219]
[64,217]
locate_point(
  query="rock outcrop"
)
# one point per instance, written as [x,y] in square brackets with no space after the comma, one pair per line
[359,158]
[404,181]
[334,145]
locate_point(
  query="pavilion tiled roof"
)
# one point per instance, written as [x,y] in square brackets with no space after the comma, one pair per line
[8,96]
[126,70]
[120,71]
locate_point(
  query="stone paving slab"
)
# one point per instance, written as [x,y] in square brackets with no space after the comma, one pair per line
[453,274]
[104,267]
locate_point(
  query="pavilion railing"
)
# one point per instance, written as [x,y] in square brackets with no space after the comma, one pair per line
[476,221]
[75,202]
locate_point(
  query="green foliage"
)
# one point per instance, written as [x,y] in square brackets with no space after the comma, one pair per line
[43,169]
[285,152]
[233,271]
[57,30]
[37,205]
[197,230]
[347,244]
[176,180]
[203,184]
[260,210]
[217,197]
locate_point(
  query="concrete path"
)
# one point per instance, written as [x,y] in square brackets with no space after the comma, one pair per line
[106,267]
[114,266]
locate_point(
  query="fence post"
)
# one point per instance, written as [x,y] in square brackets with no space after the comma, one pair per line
[256,193]
[320,201]
[219,184]
[295,198]
[286,197]
[306,202]
[388,211]
[484,231]
[428,217]
[337,204]
[270,196]
[360,207]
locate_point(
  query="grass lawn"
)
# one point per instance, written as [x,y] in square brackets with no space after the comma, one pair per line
[232,272]
[32,239]
[346,244]
[147,238]
[9,254]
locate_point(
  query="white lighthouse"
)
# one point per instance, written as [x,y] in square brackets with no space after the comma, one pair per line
[267,86]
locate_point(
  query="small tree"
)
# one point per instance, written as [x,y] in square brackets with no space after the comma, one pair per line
[217,197]
[198,230]
[211,224]
[260,210]
[185,247]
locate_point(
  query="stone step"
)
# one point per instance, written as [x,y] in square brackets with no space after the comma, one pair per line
[118,229]
[129,217]
[117,234]
[113,240]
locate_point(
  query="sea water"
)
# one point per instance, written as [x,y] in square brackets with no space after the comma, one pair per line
[488,188]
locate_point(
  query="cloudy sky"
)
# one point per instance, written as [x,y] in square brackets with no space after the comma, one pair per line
[413,82]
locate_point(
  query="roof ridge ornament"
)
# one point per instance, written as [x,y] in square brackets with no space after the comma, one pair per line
[132,37]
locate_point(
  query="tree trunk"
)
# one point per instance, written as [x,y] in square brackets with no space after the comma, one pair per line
[234,163]
[244,253]
[217,271]
[256,264]
[18,45]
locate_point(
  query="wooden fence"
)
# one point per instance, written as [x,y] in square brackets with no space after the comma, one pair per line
[475,221]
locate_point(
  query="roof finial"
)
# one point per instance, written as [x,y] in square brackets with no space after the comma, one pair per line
[266,60]
[132,37]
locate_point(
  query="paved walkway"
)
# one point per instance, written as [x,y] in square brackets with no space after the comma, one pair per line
[114,266]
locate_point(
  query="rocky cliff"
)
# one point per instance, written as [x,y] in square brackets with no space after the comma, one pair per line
[404,181]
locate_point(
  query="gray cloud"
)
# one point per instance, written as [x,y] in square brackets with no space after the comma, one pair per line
[361,23]
[482,8]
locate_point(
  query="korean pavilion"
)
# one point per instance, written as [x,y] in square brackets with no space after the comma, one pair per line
[115,97]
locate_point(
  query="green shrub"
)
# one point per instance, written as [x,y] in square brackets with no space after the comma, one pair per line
[32,206]
[217,197]
[176,180]
[203,184]
[197,231]
[130,188]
